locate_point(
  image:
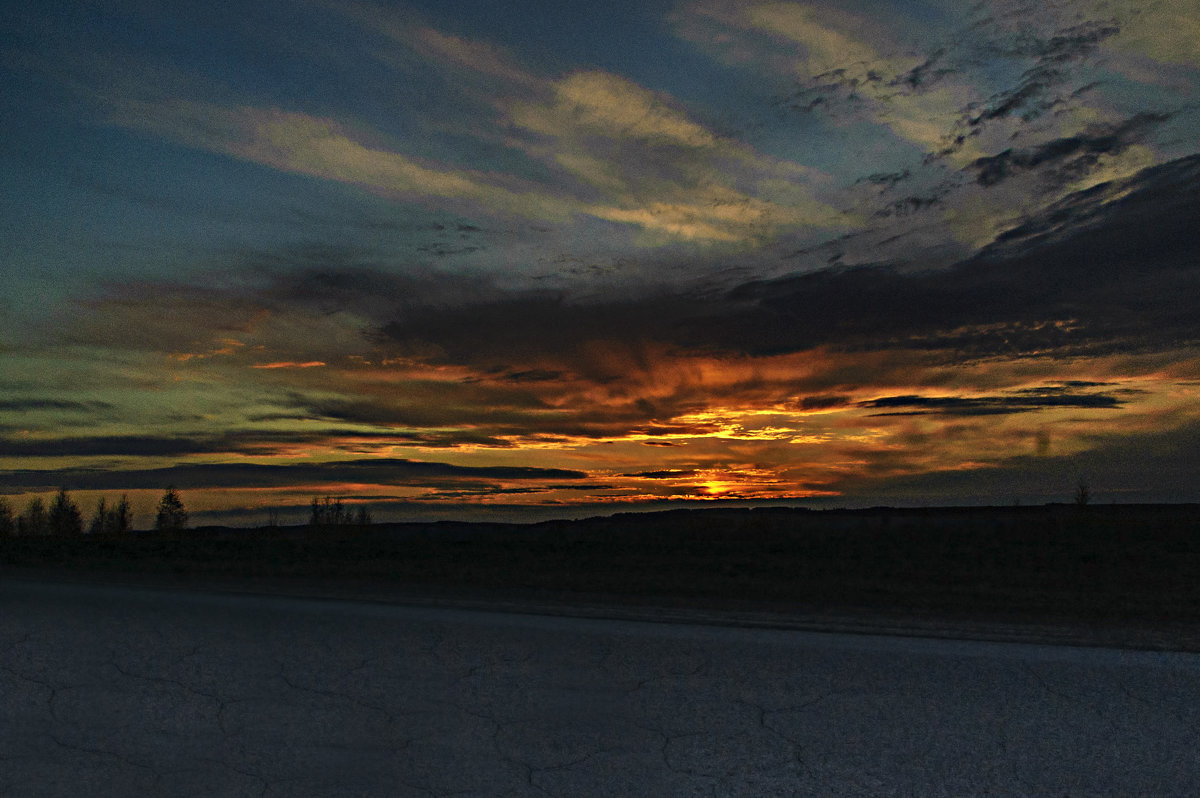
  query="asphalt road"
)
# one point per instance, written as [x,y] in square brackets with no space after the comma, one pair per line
[119,691]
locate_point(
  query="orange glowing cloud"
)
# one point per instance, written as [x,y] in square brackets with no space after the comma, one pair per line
[290,364]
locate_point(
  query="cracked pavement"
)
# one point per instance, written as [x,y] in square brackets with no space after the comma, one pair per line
[119,691]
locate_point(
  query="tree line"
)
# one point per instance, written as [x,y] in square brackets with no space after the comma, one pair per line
[63,518]
[331,512]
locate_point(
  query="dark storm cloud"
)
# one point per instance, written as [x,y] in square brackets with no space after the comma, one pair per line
[358,279]
[823,402]
[114,445]
[529,325]
[23,405]
[532,375]
[1089,276]
[383,471]
[1070,157]
[667,474]
[1110,269]
[1023,401]
[240,442]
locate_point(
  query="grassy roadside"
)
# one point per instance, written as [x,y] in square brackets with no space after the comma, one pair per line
[1120,564]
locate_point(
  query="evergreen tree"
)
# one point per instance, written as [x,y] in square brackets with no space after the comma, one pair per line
[99,525]
[122,517]
[111,520]
[171,515]
[65,518]
[8,525]
[33,520]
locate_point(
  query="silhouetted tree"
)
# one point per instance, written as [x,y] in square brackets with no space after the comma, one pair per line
[122,517]
[111,520]
[1082,494]
[328,512]
[171,515]
[99,525]
[8,525]
[65,518]
[33,520]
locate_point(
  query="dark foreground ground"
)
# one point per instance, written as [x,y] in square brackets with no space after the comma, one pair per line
[115,691]
[1119,567]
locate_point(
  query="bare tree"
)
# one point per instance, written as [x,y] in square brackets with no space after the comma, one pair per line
[330,513]
[1083,494]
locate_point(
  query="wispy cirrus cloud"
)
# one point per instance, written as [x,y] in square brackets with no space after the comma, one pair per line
[984,96]
[600,147]
[327,149]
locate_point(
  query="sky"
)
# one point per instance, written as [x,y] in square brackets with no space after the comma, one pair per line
[528,259]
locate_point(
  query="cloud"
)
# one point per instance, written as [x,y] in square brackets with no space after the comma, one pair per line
[1070,157]
[1108,270]
[1023,401]
[379,471]
[1164,32]
[290,364]
[255,441]
[440,362]
[652,165]
[325,148]
[598,148]
[823,402]
[601,103]
[846,65]
[135,446]
[32,405]
[673,473]
[1001,91]
[1151,466]
[1051,55]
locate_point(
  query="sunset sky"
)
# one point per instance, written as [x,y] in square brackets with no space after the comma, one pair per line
[531,259]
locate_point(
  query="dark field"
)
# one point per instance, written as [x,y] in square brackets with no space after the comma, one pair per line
[1119,564]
